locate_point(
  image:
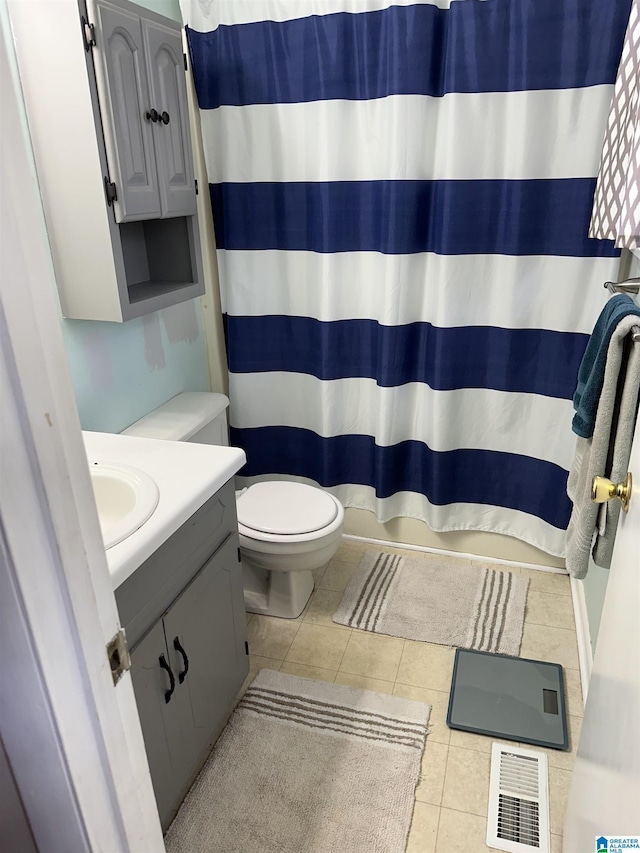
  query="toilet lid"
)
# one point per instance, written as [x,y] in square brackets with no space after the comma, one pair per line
[285,508]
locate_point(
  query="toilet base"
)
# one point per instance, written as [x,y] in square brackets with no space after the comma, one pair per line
[274,593]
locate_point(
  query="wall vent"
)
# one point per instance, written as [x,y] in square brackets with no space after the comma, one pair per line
[518,800]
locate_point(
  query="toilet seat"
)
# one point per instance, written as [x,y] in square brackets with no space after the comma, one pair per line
[284,509]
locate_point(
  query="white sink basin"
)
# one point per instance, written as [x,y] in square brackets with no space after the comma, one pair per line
[125,497]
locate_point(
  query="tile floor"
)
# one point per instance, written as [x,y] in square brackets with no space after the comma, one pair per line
[451,800]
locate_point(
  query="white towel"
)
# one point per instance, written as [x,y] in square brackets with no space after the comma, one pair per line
[591,454]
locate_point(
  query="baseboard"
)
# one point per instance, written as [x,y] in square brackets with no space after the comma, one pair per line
[429,550]
[585,653]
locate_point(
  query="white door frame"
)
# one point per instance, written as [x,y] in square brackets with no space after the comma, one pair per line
[72,738]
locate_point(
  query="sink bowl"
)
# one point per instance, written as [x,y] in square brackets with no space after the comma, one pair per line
[125,497]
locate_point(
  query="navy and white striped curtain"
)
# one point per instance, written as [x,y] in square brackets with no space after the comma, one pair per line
[401,194]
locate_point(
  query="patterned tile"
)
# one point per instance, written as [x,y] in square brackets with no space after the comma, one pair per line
[322,606]
[258,662]
[434,765]
[271,637]
[548,609]
[461,833]
[351,552]
[466,782]
[550,582]
[337,575]
[306,671]
[559,785]
[573,692]
[424,828]
[556,645]
[315,645]
[364,683]
[372,655]
[426,665]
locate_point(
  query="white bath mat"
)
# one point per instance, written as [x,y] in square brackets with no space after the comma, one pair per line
[436,599]
[307,767]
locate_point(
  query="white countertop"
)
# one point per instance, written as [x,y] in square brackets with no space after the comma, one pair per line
[186,474]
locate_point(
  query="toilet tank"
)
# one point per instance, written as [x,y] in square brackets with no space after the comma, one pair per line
[197,416]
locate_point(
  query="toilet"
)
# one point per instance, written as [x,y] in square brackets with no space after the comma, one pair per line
[286,529]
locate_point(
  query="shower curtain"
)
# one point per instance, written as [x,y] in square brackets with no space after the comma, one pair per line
[401,194]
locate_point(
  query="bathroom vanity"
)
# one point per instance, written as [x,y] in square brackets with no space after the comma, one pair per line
[183,614]
[178,587]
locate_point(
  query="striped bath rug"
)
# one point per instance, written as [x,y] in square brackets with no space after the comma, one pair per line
[437,599]
[307,767]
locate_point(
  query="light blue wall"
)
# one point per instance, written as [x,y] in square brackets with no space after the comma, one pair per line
[170,8]
[120,371]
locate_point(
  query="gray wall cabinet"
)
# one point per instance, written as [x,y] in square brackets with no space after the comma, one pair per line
[188,655]
[105,91]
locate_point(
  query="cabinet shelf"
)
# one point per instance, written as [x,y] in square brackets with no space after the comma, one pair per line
[145,290]
[158,261]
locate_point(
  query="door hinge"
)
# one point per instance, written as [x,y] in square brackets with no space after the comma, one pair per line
[89,33]
[239,557]
[196,183]
[185,62]
[110,191]
[118,654]
[246,647]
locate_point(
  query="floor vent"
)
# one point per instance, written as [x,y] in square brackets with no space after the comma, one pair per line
[518,800]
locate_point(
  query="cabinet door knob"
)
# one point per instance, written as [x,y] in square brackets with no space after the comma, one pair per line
[172,682]
[185,660]
[152,115]
[164,118]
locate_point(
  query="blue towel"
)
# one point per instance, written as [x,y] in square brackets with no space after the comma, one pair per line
[591,372]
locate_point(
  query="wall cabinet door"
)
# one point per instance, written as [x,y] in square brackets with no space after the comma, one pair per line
[168,93]
[121,76]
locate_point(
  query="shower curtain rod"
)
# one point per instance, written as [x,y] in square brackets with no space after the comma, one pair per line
[630,286]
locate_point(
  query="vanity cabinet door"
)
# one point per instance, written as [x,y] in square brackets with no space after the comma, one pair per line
[121,76]
[160,720]
[206,631]
[168,91]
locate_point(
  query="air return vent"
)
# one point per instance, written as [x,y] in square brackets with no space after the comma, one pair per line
[518,800]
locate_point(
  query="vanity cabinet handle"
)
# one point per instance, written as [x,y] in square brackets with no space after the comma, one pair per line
[185,660]
[164,117]
[172,682]
[152,115]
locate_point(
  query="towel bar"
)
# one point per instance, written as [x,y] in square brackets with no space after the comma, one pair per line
[630,286]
